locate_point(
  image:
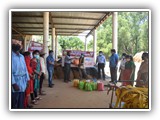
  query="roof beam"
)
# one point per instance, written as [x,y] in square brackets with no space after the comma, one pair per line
[30,34]
[69,35]
[61,17]
[56,28]
[101,12]
[25,32]
[17,31]
[27,22]
[54,23]
[33,30]
[30,27]
[100,22]
[62,34]
[32,16]
[83,18]
[69,32]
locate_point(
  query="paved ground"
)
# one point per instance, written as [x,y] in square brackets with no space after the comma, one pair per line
[64,95]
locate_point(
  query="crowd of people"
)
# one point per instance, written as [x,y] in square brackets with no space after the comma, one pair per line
[28,73]
[126,69]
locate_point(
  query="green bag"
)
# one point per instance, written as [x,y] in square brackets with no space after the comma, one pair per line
[94,85]
[81,85]
[88,87]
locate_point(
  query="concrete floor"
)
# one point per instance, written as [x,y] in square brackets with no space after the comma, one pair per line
[64,95]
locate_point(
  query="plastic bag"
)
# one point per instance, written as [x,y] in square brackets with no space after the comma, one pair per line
[88,87]
[81,85]
[100,86]
[75,82]
[94,85]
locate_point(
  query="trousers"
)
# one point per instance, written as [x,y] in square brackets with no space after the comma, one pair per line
[50,76]
[101,67]
[113,71]
[18,100]
[67,68]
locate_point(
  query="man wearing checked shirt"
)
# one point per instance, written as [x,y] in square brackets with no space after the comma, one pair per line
[101,60]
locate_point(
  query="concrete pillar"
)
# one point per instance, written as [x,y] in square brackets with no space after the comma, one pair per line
[53,40]
[27,39]
[45,32]
[95,44]
[85,46]
[115,31]
[25,44]
[56,48]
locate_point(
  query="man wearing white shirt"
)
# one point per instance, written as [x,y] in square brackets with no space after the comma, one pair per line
[43,71]
[101,60]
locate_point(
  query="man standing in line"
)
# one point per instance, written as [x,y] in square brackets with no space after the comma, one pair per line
[113,64]
[82,70]
[20,77]
[101,60]
[43,71]
[67,67]
[50,68]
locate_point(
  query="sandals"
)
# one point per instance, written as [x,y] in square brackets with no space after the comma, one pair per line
[38,98]
[34,102]
[29,106]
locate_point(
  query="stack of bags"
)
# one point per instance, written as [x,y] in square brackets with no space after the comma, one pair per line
[88,85]
[133,97]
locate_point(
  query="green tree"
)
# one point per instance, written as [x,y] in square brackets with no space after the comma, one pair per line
[132,33]
[73,43]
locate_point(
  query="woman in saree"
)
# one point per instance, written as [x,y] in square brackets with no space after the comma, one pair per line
[35,64]
[142,77]
[122,66]
[29,89]
[129,71]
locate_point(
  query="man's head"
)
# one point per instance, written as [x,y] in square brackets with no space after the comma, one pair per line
[51,52]
[123,55]
[100,52]
[145,56]
[68,53]
[113,51]
[16,45]
[36,54]
[128,58]
[82,55]
[27,53]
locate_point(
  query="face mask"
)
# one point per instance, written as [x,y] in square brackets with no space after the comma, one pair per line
[36,56]
[16,47]
[100,53]
[51,54]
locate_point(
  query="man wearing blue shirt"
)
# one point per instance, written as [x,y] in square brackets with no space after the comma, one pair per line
[50,68]
[113,62]
[20,77]
[101,60]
